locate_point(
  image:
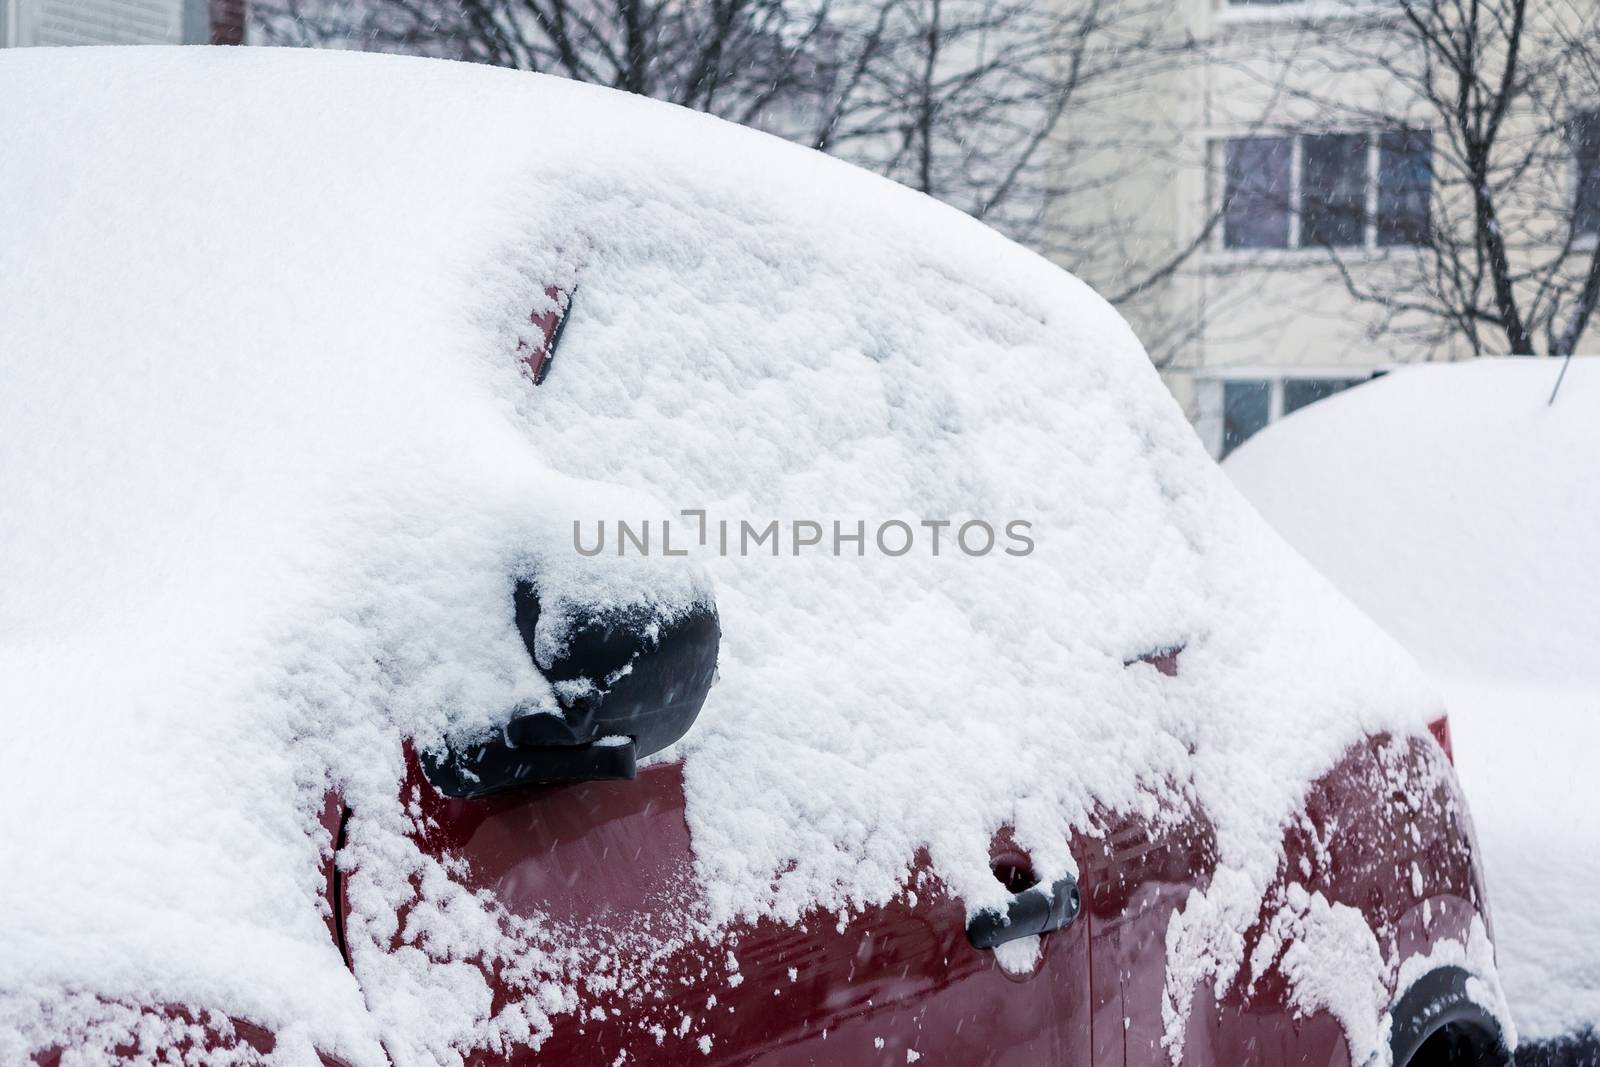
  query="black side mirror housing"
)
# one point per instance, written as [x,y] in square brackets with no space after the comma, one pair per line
[635,682]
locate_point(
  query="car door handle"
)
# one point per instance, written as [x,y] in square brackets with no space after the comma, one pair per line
[1032,911]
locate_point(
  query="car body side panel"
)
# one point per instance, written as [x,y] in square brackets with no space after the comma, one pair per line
[173,1034]
[1385,832]
[1136,875]
[896,979]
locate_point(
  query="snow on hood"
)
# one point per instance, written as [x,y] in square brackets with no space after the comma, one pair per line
[270,464]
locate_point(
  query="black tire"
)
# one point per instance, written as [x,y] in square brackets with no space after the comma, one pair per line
[1436,1024]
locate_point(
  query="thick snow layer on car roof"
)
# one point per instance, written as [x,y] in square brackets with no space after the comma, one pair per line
[1458,506]
[270,464]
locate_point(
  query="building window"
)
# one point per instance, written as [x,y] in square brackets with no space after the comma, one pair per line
[1298,392]
[1246,408]
[1405,187]
[1249,405]
[1583,134]
[1256,209]
[1335,190]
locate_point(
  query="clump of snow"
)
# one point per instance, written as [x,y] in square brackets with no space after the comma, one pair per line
[1021,956]
[272,468]
[1459,508]
[1333,961]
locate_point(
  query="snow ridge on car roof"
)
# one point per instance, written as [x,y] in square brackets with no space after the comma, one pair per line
[270,464]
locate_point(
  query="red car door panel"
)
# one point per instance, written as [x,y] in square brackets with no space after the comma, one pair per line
[896,984]
[1385,832]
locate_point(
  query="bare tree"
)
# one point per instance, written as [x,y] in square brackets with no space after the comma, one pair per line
[1007,109]
[729,57]
[1485,114]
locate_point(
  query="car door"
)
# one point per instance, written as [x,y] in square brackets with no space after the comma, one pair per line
[890,984]
[1363,829]
[1136,875]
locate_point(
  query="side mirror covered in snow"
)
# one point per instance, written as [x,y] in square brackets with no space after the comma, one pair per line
[630,683]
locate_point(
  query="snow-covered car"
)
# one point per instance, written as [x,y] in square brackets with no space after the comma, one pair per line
[497,570]
[1456,504]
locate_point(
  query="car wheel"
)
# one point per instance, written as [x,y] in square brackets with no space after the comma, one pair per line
[1459,1046]
[1436,1024]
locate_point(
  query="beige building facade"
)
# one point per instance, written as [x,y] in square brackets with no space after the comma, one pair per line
[1287,171]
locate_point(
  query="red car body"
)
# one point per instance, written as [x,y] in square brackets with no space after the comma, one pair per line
[902,982]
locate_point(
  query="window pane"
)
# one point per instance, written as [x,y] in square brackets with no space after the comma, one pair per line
[1244,411]
[1298,392]
[1333,190]
[1405,186]
[1583,133]
[1256,200]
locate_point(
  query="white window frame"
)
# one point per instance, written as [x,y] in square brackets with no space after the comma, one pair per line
[1243,13]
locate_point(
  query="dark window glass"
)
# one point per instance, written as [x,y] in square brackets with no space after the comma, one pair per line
[1256,200]
[1298,392]
[1583,133]
[1405,186]
[1245,407]
[1333,190]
